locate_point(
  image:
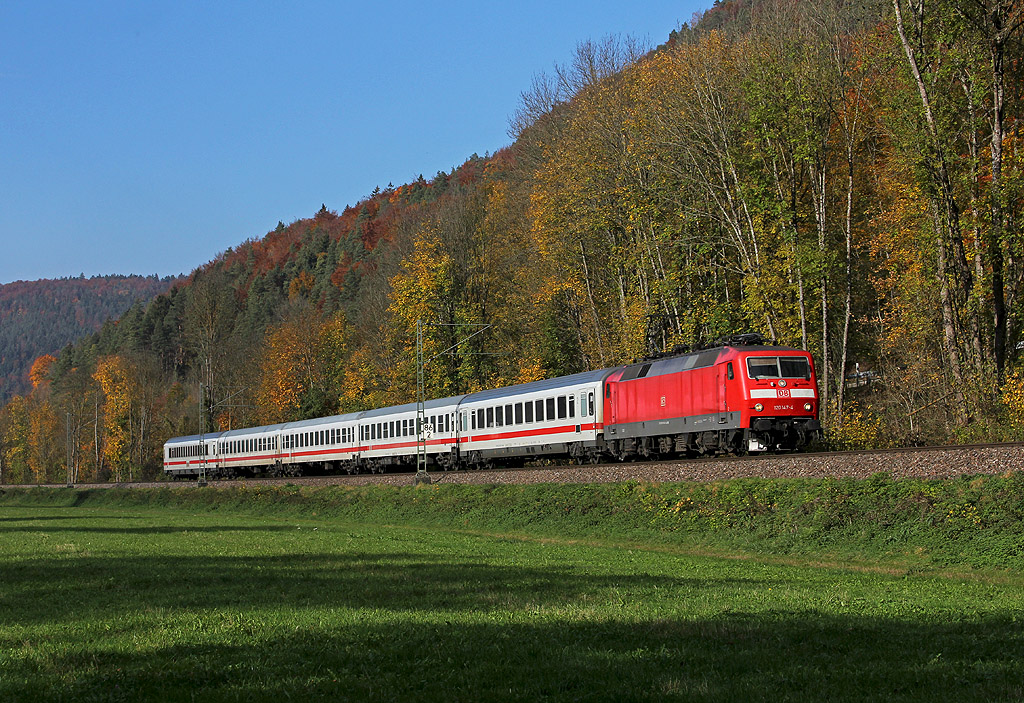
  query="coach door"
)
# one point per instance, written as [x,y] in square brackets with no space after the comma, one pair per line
[726,374]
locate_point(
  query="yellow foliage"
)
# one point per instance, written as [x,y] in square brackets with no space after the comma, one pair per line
[301,353]
[859,429]
[120,389]
[1012,397]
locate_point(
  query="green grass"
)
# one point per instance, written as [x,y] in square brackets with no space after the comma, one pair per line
[543,593]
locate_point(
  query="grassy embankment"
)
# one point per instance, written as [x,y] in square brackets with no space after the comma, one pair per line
[840,590]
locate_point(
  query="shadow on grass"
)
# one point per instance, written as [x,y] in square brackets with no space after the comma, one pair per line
[155,530]
[780,657]
[51,518]
[86,587]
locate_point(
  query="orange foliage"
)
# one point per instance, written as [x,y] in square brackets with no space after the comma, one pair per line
[40,369]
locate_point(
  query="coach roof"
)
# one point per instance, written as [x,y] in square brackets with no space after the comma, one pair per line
[548,384]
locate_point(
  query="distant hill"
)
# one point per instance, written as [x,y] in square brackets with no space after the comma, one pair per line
[42,317]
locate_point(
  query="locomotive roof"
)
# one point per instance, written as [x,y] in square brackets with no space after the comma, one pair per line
[543,385]
[692,360]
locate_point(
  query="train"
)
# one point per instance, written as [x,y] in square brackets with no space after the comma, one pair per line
[738,396]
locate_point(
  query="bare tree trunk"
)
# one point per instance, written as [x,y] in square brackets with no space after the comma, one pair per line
[995,243]
[593,305]
[946,215]
[96,436]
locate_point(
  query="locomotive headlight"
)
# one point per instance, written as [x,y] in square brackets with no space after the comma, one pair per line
[808,407]
[758,407]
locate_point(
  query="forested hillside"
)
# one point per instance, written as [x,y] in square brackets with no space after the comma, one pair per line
[839,176]
[41,317]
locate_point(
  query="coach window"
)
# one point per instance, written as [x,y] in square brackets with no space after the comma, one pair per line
[508,414]
[572,406]
[480,418]
[499,416]
[591,403]
[549,407]
[490,417]
[519,413]
[528,408]
[561,407]
[447,423]
[539,407]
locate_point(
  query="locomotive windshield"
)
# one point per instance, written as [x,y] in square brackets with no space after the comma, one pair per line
[778,367]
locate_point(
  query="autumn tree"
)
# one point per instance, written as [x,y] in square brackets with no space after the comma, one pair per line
[302,366]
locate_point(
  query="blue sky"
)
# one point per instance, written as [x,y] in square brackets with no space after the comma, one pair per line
[146,137]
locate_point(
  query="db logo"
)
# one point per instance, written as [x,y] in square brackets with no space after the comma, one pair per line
[784,393]
[662,401]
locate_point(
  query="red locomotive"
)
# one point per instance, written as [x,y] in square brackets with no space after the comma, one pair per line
[736,398]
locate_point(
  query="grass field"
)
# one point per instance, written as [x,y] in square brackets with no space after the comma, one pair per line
[227,601]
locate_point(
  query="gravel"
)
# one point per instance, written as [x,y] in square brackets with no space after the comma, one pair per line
[911,463]
[933,462]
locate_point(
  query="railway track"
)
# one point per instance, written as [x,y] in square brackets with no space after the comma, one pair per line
[904,462]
